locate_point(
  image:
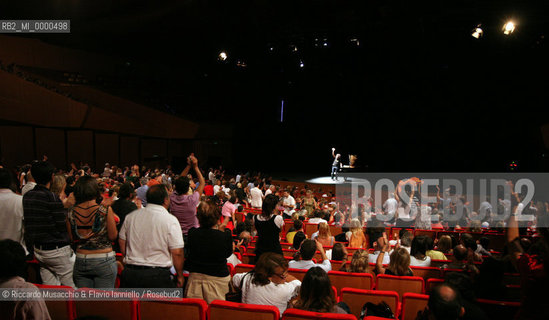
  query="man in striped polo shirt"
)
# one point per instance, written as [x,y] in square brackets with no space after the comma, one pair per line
[46,229]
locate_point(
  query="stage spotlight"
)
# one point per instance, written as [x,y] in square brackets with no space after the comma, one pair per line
[293,48]
[301,64]
[222,56]
[508,27]
[477,33]
[355,42]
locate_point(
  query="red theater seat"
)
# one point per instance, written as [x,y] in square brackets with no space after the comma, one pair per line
[298,273]
[296,314]
[400,284]
[192,309]
[225,310]
[108,308]
[60,309]
[426,272]
[501,310]
[240,268]
[432,283]
[412,303]
[356,298]
[342,280]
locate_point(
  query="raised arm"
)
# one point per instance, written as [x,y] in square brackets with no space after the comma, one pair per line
[321,249]
[185,171]
[201,181]
[384,244]
[333,152]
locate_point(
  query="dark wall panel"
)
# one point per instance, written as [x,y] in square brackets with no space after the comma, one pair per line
[129,151]
[153,148]
[16,145]
[106,150]
[80,147]
[51,142]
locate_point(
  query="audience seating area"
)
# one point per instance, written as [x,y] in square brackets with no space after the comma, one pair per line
[404,295]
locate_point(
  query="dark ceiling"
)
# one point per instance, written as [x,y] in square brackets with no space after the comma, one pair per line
[413,81]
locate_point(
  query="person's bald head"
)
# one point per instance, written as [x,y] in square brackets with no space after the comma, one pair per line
[445,303]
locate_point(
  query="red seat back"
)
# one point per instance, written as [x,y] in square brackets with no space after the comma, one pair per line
[356,298]
[432,283]
[499,309]
[412,303]
[193,309]
[108,308]
[225,310]
[298,273]
[60,309]
[342,280]
[400,284]
[296,314]
[427,272]
[240,268]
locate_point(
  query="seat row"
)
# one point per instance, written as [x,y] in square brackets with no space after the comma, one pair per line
[404,307]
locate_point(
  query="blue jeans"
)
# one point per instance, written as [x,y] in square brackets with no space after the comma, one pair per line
[95,272]
[334,172]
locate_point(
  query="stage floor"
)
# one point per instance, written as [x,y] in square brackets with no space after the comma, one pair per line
[325,180]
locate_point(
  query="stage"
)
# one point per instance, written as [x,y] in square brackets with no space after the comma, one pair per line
[326,180]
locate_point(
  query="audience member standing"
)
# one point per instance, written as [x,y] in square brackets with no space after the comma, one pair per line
[268,225]
[46,228]
[142,191]
[94,228]
[124,205]
[184,200]
[29,185]
[208,249]
[11,210]
[257,196]
[152,243]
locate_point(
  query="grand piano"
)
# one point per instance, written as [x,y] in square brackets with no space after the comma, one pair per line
[352,167]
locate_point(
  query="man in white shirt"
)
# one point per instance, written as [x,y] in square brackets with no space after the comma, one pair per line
[257,196]
[11,210]
[485,209]
[29,185]
[372,257]
[152,242]
[211,176]
[391,204]
[288,202]
[306,253]
[217,187]
[271,190]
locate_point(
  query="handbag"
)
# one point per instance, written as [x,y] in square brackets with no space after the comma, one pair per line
[236,295]
[381,309]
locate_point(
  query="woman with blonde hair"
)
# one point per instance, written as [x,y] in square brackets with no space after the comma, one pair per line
[58,185]
[309,203]
[399,264]
[359,262]
[357,238]
[324,235]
